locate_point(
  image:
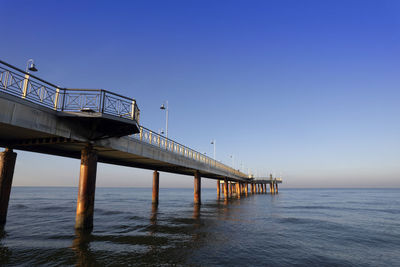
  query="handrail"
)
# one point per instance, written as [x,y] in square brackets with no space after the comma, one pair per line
[23,84]
[26,73]
[158,140]
[103,90]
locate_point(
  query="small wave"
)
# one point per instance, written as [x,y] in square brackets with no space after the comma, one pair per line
[19,206]
[307,207]
[132,240]
[107,212]
[298,220]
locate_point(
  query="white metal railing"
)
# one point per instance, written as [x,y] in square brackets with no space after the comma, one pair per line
[22,84]
[155,139]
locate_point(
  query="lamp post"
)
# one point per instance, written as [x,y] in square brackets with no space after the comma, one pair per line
[213,142]
[233,161]
[30,66]
[165,107]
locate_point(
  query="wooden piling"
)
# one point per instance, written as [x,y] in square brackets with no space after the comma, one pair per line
[197,188]
[156,187]
[218,188]
[7,166]
[238,190]
[87,188]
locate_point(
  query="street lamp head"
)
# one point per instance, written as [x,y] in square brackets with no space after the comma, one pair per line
[162,107]
[32,67]
[212,142]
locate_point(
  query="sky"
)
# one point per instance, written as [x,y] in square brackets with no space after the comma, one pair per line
[306,90]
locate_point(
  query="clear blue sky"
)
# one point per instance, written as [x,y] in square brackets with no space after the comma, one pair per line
[309,89]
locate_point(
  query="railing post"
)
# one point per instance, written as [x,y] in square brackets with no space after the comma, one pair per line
[63,100]
[56,98]
[6,75]
[141,133]
[103,100]
[150,137]
[25,86]
[133,109]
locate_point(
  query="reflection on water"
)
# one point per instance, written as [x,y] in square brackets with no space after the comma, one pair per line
[196,212]
[5,253]
[129,230]
[81,247]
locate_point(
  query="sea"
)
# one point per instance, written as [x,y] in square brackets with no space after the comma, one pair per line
[297,227]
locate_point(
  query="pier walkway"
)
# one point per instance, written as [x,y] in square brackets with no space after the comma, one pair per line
[96,126]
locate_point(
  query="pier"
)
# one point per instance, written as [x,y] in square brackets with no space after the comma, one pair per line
[98,126]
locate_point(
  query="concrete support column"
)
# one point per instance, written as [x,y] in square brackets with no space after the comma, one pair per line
[238,193]
[262,188]
[197,188]
[246,188]
[156,187]
[271,188]
[87,188]
[265,188]
[7,165]
[276,188]
[252,188]
[226,189]
[218,188]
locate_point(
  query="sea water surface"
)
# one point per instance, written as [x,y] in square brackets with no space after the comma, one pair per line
[297,227]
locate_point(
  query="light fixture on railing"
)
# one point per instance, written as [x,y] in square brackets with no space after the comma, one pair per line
[165,107]
[30,66]
[213,142]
